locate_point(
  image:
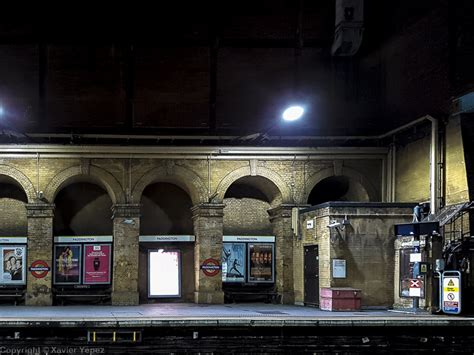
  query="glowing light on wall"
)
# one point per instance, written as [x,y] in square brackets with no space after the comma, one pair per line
[164,273]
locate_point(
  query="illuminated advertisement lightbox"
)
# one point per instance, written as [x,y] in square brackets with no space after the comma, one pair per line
[12,261]
[260,260]
[67,264]
[164,273]
[97,263]
[233,262]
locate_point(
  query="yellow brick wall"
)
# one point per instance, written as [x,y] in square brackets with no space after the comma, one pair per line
[413,171]
[457,190]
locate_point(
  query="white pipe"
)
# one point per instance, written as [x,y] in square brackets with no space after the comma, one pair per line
[224,138]
[394,173]
[434,171]
[201,151]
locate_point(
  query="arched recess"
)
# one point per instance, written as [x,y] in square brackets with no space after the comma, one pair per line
[165,209]
[345,171]
[13,220]
[284,195]
[93,175]
[247,202]
[21,179]
[186,179]
[82,208]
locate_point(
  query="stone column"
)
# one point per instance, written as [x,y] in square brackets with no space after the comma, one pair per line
[280,217]
[125,261]
[40,247]
[208,228]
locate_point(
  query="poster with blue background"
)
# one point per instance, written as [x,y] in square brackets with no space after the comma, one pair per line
[233,262]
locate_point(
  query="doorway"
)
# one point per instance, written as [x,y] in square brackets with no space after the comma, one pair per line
[311,275]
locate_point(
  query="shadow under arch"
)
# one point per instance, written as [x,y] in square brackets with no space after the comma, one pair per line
[95,175]
[281,193]
[21,180]
[182,177]
[351,173]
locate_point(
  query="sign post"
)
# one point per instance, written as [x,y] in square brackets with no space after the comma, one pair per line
[451,292]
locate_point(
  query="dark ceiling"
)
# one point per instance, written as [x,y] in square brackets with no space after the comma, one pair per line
[200,68]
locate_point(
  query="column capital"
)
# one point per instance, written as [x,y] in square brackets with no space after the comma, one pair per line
[39,210]
[126,210]
[283,211]
[209,210]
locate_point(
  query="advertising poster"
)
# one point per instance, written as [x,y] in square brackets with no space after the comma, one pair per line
[233,262]
[164,273]
[260,256]
[13,265]
[97,264]
[67,264]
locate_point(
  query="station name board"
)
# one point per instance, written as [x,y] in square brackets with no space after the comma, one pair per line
[264,239]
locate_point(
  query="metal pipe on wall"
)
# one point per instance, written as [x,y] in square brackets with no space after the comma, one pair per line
[434,168]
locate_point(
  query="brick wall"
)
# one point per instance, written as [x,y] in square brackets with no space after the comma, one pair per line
[246,216]
[413,171]
[457,190]
[367,245]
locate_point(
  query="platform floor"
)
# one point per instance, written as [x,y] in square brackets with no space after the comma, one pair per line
[182,314]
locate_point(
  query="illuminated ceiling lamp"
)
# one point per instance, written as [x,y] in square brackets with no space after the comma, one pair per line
[295,110]
[293,113]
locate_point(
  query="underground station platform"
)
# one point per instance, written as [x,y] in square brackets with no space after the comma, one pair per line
[229,328]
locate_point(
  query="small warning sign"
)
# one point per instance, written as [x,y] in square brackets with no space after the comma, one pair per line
[451,294]
[414,283]
[415,287]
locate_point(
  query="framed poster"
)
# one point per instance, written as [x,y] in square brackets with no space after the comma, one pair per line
[13,259]
[260,262]
[164,273]
[97,264]
[67,264]
[339,268]
[233,262]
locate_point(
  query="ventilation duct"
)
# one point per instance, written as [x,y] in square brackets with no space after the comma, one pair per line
[349,27]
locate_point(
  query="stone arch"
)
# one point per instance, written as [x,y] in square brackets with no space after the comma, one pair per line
[314,179]
[185,178]
[233,176]
[92,174]
[21,179]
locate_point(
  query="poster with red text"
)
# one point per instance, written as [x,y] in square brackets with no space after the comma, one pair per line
[97,263]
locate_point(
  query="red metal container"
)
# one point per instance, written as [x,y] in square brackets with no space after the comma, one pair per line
[340,299]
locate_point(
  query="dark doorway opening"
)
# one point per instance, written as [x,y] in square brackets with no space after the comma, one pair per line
[311,275]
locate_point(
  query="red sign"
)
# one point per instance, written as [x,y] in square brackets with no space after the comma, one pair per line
[39,268]
[210,267]
[97,264]
[414,283]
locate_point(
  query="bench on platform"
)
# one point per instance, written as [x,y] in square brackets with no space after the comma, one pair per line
[266,296]
[16,295]
[77,295]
